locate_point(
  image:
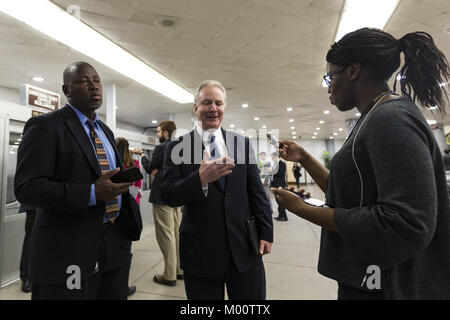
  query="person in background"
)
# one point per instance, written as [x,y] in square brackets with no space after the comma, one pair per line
[264,173]
[128,162]
[135,190]
[447,158]
[297,171]
[278,180]
[386,227]
[167,219]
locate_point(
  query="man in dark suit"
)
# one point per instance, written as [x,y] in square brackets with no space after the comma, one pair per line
[219,194]
[279,180]
[167,219]
[80,243]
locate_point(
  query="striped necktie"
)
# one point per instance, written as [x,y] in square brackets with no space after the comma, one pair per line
[111,206]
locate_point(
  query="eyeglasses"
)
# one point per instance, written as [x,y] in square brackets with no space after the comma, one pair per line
[327,77]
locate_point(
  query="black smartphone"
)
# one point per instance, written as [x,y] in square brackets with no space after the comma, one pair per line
[128,175]
[274,141]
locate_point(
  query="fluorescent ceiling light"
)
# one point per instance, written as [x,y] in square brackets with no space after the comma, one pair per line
[365,13]
[256,118]
[289,109]
[340,129]
[61,26]
[314,137]
[264,127]
[245,105]
[317,128]
[321,121]
[292,128]
[154,121]
[291,120]
[326,112]
[231,125]
[37,79]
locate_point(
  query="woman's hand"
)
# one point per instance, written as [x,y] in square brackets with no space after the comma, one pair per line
[288,200]
[291,151]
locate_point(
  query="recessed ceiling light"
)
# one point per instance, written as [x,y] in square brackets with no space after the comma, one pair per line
[256,118]
[321,121]
[358,114]
[37,79]
[155,121]
[317,128]
[431,122]
[264,127]
[315,133]
[289,109]
[269,131]
[331,138]
[433,108]
[293,132]
[292,128]
[313,137]
[231,125]
[293,137]
[326,112]
[335,134]
[340,129]
[291,120]
[242,131]
[250,137]
[244,105]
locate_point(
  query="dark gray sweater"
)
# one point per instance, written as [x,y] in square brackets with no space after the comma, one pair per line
[403,225]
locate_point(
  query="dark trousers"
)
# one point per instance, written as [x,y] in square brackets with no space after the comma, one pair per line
[349,293]
[281,210]
[108,282]
[297,182]
[250,285]
[29,221]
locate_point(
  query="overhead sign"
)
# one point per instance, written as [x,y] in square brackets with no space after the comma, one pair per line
[37,97]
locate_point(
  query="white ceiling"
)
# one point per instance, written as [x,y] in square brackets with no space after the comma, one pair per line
[268,53]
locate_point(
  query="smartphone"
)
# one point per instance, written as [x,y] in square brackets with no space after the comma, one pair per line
[314,202]
[274,141]
[128,175]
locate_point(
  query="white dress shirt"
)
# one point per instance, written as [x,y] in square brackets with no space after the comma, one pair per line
[219,141]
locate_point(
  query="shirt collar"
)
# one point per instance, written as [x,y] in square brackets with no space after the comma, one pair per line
[205,134]
[82,116]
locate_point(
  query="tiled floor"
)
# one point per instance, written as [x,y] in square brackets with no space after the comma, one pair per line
[290,269]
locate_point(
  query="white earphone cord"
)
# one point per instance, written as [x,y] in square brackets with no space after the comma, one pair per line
[353,148]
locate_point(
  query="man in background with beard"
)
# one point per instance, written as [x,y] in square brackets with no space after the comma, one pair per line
[167,219]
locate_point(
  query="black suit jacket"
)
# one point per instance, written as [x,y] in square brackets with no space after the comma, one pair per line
[213,227]
[156,162]
[56,165]
[279,178]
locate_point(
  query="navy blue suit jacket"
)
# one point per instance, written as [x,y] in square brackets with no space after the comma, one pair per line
[279,178]
[213,229]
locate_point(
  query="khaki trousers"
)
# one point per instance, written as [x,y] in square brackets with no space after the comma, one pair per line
[167,225]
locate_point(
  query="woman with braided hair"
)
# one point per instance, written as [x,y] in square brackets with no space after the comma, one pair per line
[386,227]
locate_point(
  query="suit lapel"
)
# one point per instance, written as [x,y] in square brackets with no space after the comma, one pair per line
[77,130]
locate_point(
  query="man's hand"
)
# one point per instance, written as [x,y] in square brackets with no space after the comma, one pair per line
[107,190]
[154,172]
[212,170]
[264,247]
